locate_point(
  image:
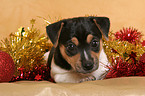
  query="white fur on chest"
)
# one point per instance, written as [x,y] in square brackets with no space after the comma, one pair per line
[65,76]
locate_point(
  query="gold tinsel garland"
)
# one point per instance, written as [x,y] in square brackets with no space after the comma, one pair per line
[26,47]
[116,48]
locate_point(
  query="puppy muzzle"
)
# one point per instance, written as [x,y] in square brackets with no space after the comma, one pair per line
[88,66]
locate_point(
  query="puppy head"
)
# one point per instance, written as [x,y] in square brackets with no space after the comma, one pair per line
[80,41]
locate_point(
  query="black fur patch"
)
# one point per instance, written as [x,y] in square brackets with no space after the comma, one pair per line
[60,61]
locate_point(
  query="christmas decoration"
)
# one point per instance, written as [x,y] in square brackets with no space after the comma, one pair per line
[26,47]
[143,43]
[129,34]
[41,72]
[142,58]
[120,45]
[7,67]
[122,68]
[126,53]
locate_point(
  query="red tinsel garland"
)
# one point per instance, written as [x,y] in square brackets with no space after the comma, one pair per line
[128,34]
[122,68]
[39,73]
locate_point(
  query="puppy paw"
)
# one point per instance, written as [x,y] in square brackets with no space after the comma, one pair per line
[90,78]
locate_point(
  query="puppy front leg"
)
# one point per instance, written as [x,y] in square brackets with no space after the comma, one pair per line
[68,77]
[89,78]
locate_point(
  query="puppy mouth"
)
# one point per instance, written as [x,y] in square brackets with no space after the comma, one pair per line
[81,70]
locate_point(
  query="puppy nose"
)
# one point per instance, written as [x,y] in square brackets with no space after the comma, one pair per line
[88,65]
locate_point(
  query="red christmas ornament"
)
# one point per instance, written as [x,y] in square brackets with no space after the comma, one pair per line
[7,67]
[129,34]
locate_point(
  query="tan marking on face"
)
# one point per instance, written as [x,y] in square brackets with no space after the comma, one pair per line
[75,41]
[96,55]
[89,38]
[71,60]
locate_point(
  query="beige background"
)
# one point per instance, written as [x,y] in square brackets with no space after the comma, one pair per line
[122,13]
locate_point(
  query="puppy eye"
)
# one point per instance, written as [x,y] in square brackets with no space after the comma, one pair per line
[71,49]
[95,43]
[70,46]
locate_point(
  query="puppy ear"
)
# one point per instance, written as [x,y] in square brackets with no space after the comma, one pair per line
[103,23]
[53,32]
